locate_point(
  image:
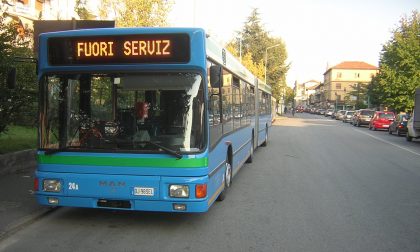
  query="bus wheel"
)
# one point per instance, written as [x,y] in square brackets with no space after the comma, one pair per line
[227,177]
[249,160]
[264,144]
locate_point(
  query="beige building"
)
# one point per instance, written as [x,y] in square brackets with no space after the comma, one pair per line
[344,78]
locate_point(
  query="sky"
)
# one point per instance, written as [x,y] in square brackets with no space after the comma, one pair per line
[317,33]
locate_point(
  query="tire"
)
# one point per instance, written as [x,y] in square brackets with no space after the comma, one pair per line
[249,160]
[227,178]
[264,144]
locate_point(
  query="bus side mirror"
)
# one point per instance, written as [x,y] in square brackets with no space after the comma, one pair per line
[11,78]
[215,76]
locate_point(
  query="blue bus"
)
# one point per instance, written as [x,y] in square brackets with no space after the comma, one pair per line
[148,119]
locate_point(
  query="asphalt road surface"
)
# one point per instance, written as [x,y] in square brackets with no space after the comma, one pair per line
[319,185]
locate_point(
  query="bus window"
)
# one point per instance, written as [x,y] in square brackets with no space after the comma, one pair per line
[227,103]
[94,111]
[243,101]
[214,109]
[236,105]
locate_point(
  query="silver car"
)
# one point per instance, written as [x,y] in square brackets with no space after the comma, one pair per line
[339,115]
[348,116]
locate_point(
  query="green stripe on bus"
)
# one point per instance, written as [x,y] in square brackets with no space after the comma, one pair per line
[123,161]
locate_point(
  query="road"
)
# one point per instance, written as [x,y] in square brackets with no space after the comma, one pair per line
[319,185]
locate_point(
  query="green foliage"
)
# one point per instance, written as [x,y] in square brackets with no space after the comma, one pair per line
[17,105]
[254,43]
[289,95]
[359,91]
[137,13]
[18,138]
[399,67]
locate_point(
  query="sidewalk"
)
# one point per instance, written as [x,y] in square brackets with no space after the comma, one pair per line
[18,206]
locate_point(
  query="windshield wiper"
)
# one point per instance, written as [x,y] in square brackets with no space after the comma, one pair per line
[53,151]
[166,149]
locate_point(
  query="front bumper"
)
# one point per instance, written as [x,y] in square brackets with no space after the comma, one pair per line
[134,205]
[119,192]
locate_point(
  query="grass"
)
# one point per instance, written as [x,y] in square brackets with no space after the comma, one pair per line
[18,138]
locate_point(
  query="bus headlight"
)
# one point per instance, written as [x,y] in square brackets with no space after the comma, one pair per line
[51,185]
[179,191]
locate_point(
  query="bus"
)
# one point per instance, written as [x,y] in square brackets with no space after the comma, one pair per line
[147,119]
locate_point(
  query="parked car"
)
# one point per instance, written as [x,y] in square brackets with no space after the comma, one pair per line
[413,129]
[353,118]
[413,124]
[321,111]
[363,117]
[347,116]
[381,120]
[399,125]
[329,112]
[339,115]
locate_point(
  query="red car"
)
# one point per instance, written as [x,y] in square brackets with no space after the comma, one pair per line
[381,120]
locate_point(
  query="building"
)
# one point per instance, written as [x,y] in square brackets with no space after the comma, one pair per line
[317,99]
[303,92]
[341,80]
[24,12]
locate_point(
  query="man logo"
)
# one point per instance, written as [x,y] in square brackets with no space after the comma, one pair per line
[111,183]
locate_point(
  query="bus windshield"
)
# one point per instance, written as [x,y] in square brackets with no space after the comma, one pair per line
[148,112]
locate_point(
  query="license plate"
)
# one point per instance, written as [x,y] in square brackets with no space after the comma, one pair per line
[144,191]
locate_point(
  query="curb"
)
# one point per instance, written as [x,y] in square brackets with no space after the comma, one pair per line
[17,162]
[24,221]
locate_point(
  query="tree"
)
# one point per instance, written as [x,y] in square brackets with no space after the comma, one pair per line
[256,68]
[254,42]
[359,91]
[18,104]
[289,95]
[81,10]
[399,66]
[137,13]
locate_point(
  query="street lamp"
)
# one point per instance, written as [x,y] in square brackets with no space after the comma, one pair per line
[336,101]
[265,64]
[240,49]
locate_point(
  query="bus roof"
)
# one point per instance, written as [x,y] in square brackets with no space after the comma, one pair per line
[216,52]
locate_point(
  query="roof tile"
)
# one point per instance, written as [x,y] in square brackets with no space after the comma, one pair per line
[354,65]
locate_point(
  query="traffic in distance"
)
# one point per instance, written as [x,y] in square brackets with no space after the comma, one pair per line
[400,124]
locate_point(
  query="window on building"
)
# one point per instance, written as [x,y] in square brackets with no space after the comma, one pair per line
[337,85]
[356,75]
[339,75]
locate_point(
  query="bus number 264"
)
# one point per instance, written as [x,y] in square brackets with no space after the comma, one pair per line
[73,186]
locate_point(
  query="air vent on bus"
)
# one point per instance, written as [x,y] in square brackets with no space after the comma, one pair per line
[125,204]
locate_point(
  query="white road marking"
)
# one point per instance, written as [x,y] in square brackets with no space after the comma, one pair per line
[387,142]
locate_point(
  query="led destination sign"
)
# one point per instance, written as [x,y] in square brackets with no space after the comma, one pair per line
[146,48]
